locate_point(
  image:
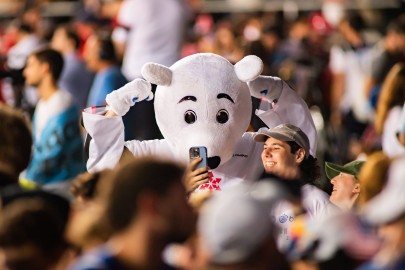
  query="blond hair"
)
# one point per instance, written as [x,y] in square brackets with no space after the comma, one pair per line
[392,94]
[373,176]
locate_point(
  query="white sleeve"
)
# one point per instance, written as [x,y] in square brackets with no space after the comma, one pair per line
[107,142]
[160,148]
[290,108]
[127,14]
[316,202]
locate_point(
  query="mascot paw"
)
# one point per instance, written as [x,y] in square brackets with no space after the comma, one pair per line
[123,98]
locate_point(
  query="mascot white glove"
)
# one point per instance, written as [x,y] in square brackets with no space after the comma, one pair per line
[121,100]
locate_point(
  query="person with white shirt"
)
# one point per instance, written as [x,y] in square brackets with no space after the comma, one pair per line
[26,42]
[57,155]
[286,154]
[156,33]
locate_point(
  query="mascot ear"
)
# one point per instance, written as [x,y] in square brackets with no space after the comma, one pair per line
[157,74]
[249,68]
[266,87]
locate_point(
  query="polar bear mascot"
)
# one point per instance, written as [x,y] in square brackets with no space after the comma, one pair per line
[201,100]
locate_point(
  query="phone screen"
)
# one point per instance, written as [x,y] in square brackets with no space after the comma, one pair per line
[199,151]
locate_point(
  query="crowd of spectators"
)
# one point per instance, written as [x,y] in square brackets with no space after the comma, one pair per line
[341,208]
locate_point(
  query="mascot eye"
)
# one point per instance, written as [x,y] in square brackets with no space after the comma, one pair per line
[222,116]
[190,117]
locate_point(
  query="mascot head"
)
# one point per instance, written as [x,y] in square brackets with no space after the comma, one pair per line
[203,100]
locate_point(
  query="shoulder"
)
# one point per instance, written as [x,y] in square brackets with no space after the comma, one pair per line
[114,74]
[312,194]
[314,191]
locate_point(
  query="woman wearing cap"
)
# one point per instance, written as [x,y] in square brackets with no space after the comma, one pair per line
[286,155]
[346,186]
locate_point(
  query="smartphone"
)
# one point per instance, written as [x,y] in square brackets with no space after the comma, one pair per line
[199,151]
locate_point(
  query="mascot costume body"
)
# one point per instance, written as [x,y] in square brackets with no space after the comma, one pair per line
[201,100]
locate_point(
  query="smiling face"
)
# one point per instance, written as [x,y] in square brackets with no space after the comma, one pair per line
[278,159]
[345,190]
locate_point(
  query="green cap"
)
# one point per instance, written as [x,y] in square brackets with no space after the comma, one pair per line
[352,168]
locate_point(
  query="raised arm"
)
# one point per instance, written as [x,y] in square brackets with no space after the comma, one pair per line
[105,142]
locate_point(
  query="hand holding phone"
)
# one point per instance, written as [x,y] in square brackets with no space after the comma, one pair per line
[197,172]
[199,151]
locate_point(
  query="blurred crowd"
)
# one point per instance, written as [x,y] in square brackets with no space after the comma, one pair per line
[341,209]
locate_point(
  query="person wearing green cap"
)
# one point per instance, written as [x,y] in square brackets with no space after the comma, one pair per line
[346,186]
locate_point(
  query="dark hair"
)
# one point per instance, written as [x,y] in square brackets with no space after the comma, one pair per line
[106,47]
[397,25]
[15,139]
[32,222]
[25,28]
[71,34]
[134,179]
[355,21]
[86,184]
[309,167]
[51,57]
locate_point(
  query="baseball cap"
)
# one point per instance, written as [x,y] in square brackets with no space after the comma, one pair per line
[233,223]
[332,170]
[285,133]
[389,204]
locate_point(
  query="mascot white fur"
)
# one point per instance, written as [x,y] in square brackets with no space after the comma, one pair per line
[201,100]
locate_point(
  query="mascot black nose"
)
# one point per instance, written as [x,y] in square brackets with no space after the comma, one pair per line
[214,162]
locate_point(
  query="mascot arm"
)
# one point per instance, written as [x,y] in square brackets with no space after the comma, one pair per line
[105,129]
[160,148]
[120,100]
[107,141]
[281,104]
[106,145]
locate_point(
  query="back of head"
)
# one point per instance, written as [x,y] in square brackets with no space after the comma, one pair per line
[134,179]
[373,176]
[70,34]
[235,224]
[388,206]
[106,47]
[86,185]
[31,234]
[15,142]
[51,57]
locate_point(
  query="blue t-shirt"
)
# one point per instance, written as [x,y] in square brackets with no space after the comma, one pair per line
[104,83]
[58,152]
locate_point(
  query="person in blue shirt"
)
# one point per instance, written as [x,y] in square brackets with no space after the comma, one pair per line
[75,77]
[100,57]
